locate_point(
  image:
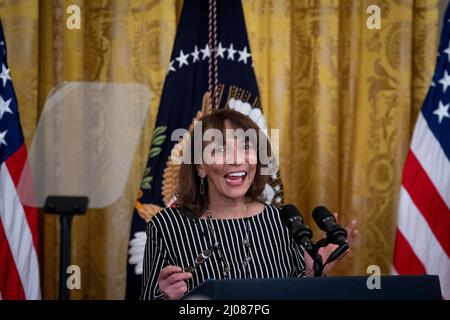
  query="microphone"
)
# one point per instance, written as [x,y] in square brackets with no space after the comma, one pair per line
[336,234]
[300,232]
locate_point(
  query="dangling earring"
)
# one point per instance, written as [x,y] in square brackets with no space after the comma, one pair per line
[254,183]
[202,186]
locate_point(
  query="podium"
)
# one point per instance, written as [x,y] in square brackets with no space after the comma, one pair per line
[425,287]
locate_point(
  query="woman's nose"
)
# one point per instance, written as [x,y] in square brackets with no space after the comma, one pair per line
[237,155]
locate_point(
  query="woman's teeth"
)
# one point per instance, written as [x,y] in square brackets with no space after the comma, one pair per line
[235,176]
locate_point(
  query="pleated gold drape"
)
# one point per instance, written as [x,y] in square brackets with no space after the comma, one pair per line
[344,97]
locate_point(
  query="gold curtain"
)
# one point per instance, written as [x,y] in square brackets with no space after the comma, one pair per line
[344,97]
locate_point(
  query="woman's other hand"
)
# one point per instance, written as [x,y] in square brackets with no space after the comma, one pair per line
[325,252]
[172,282]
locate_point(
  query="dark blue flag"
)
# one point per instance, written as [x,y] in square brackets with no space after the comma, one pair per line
[184,89]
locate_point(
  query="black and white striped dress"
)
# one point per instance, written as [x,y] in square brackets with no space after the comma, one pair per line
[255,247]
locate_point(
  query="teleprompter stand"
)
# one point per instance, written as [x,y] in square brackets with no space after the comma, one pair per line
[66,207]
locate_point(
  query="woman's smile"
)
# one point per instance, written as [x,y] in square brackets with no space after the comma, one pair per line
[235,178]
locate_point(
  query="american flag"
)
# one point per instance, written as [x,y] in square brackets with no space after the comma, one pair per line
[422,244]
[19,265]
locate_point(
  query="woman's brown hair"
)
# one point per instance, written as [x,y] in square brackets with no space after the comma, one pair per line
[189,200]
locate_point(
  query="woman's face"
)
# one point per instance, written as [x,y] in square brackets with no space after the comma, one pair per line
[231,167]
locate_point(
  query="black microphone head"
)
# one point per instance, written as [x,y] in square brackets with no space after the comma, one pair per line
[327,222]
[288,213]
[300,232]
[320,214]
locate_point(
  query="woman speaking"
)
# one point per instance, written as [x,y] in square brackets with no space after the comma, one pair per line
[220,227]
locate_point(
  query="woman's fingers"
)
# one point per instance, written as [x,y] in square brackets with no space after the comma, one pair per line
[344,254]
[351,229]
[176,291]
[352,232]
[172,282]
[177,277]
[168,271]
[180,286]
[172,274]
[352,225]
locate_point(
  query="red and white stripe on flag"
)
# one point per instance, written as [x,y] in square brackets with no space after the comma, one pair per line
[422,244]
[19,264]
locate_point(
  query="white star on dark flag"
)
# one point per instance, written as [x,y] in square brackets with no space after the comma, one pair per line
[2,138]
[195,54]
[221,50]
[445,81]
[447,51]
[244,55]
[442,111]
[182,59]
[4,75]
[206,52]
[4,107]
[231,52]
[171,67]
